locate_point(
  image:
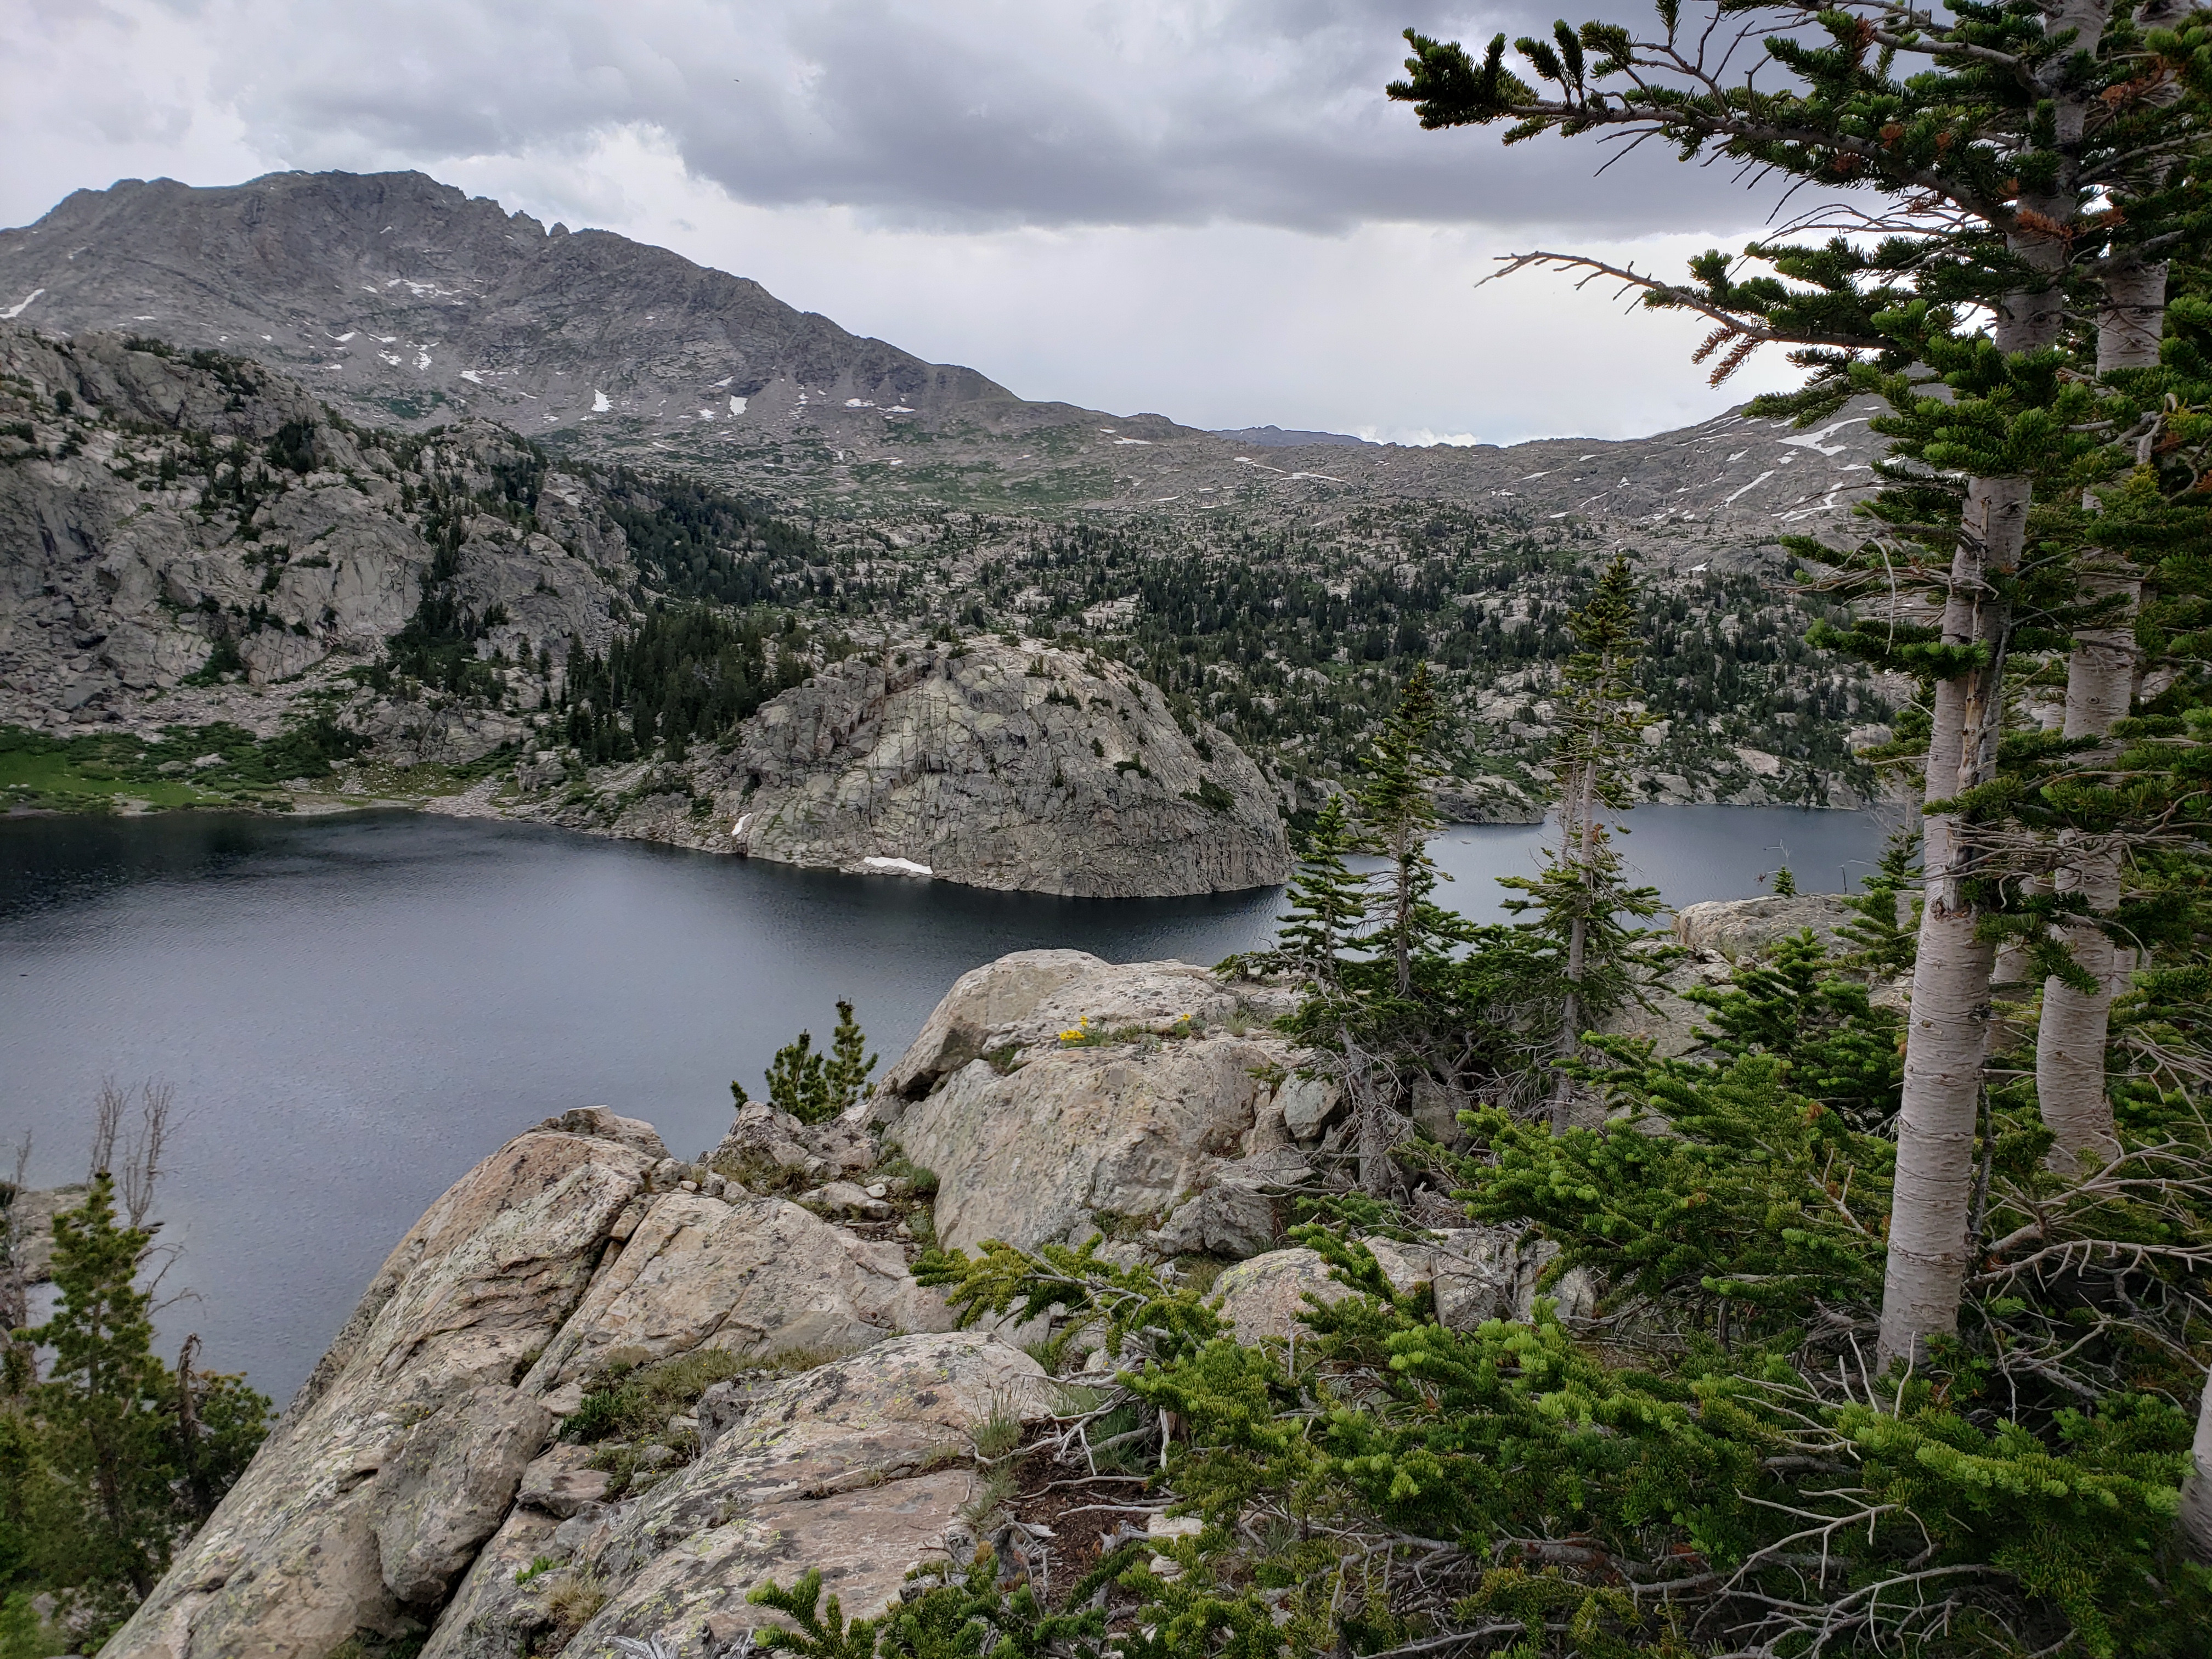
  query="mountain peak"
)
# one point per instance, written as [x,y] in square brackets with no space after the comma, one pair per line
[403,299]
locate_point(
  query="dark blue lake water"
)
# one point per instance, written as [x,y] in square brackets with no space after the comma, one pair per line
[353,1010]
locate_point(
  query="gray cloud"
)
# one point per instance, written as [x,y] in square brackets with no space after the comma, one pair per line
[958,115]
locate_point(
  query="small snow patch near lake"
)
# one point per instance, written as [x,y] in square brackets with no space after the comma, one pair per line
[600,404]
[898,866]
[736,405]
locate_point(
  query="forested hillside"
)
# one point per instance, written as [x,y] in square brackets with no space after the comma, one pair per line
[224,552]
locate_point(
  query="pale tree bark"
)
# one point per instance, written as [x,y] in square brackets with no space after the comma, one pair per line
[2195,1517]
[1579,838]
[1927,1257]
[2070,1036]
[2102,675]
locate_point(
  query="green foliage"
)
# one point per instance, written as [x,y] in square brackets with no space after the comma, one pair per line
[223,659]
[1136,1306]
[1397,815]
[634,1402]
[1297,642]
[850,1063]
[823,1633]
[1884,941]
[294,446]
[92,771]
[950,1612]
[815,1087]
[23,1635]
[1843,1053]
[1326,904]
[684,674]
[696,543]
[1725,1190]
[99,1406]
[1723,1437]
[111,1458]
[1579,910]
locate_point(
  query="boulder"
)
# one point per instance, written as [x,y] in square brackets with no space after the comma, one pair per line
[401,1454]
[1084,1141]
[1023,1002]
[449,1487]
[1742,928]
[759,1277]
[1121,1130]
[765,1142]
[1307,1105]
[1262,1297]
[562,1482]
[492,1616]
[841,1199]
[413,1471]
[1235,1214]
[601,1121]
[1036,769]
[843,1469]
[1666,1018]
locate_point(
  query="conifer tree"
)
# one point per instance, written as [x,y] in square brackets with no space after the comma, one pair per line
[1397,815]
[815,1086]
[1327,906]
[100,1404]
[850,1062]
[1882,943]
[1581,896]
[1994,154]
[798,1080]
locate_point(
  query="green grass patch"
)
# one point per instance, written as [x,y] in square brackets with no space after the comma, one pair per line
[214,765]
[635,1401]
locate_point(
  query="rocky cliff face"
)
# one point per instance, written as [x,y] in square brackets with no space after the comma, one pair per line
[1003,766]
[154,508]
[418,1470]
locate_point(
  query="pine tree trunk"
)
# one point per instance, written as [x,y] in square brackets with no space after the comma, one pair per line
[2070,1039]
[1926,1269]
[2131,318]
[2195,1517]
[1405,922]
[1577,837]
[1927,1260]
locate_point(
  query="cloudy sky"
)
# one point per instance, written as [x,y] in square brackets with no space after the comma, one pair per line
[1205,208]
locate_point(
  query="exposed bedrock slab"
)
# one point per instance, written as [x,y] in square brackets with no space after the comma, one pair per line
[1043,770]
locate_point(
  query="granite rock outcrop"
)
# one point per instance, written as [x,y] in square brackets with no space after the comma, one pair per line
[416,1479]
[996,765]
[192,540]
[1055,1096]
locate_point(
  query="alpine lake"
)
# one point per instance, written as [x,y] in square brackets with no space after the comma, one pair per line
[353,1009]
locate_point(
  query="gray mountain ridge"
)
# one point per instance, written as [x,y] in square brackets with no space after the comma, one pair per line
[401,301]
[1274,437]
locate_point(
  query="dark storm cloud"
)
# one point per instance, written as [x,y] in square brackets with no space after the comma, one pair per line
[958,115]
